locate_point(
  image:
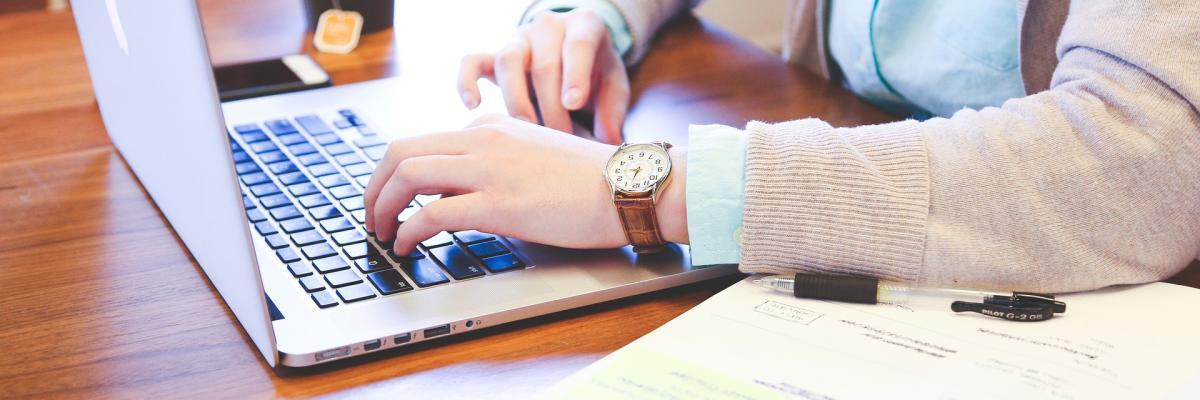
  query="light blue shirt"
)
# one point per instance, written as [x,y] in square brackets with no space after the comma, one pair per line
[917,58]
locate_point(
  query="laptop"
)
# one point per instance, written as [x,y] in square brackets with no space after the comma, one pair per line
[266,194]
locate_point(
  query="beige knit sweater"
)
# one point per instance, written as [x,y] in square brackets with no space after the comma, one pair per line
[1092,182]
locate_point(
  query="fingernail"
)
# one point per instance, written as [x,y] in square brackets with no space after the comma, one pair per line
[573,97]
[469,100]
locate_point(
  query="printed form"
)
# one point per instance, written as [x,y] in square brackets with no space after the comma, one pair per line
[749,343]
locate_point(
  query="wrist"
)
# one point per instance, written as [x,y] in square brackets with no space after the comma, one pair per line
[671,207]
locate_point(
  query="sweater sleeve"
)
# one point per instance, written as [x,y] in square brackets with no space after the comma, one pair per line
[644,17]
[1094,182]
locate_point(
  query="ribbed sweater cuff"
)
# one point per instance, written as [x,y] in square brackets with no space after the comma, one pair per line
[842,201]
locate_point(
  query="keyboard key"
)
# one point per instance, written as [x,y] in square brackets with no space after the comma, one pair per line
[276,241]
[321,170]
[338,149]
[312,284]
[487,249]
[314,200]
[360,216]
[355,293]
[348,159]
[246,128]
[255,215]
[344,191]
[330,264]
[254,137]
[348,237]
[357,170]
[246,167]
[407,213]
[272,157]
[285,213]
[282,167]
[307,237]
[353,203]
[295,225]
[354,120]
[456,262]
[342,278]
[414,255]
[292,138]
[311,159]
[302,149]
[324,299]
[302,189]
[503,263]
[439,239]
[287,255]
[263,147]
[363,180]
[265,228]
[336,225]
[372,262]
[264,189]
[331,181]
[365,130]
[275,200]
[358,250]
[327,139]
[389,282]
[427,199]
[346,112]
[255,178]
[369,141]
[468,237]
[299,269]
[280,126]
[313,124]
[240,156]
[293,178]
[324,212]
[375,153]
[343,124]
[424,272]
[319,250]
[246,202]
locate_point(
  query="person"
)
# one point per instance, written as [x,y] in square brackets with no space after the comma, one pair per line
[1054,147]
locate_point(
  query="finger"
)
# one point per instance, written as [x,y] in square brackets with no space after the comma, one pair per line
[510,67]
[612,101]
[546,74]
[458,213]
[473,67]
[582,40]
[444,143]
[421,175]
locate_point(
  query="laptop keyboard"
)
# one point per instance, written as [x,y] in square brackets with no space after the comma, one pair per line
[302,183]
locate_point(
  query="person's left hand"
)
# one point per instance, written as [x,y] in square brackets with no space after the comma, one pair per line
[506,177]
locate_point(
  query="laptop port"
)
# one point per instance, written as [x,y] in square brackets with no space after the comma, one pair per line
[372,345]
[333,353]
[437,331]
[402,339]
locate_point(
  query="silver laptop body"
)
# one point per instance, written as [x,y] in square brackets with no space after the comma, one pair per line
[152,77]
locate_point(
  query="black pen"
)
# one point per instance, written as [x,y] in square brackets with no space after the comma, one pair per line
[1017,306]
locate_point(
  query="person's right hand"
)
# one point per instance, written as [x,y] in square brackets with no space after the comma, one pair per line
[567,61]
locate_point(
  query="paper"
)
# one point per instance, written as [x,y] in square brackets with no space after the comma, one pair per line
[749,343]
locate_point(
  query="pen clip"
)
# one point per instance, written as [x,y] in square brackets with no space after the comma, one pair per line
[1020,306]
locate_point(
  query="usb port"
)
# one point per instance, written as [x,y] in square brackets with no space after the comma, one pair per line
[402,339]
[437,331]
[372,345]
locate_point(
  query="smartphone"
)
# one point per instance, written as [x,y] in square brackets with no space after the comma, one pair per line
[290,73]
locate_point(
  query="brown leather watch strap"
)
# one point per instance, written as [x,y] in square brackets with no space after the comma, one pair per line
[640,223]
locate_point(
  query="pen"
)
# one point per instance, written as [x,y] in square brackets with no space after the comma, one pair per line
[1017,306]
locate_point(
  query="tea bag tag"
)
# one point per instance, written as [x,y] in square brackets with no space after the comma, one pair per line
[338,31]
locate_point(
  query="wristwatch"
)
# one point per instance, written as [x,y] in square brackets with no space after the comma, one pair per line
[637,174]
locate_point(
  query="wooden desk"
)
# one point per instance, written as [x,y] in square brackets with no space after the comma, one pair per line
[101,299]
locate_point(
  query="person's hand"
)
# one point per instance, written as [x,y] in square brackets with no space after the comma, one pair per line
[511,178]
[569,63]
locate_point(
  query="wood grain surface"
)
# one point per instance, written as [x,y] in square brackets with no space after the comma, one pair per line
[100,299]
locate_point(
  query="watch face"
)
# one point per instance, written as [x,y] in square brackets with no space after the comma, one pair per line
[638,168]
